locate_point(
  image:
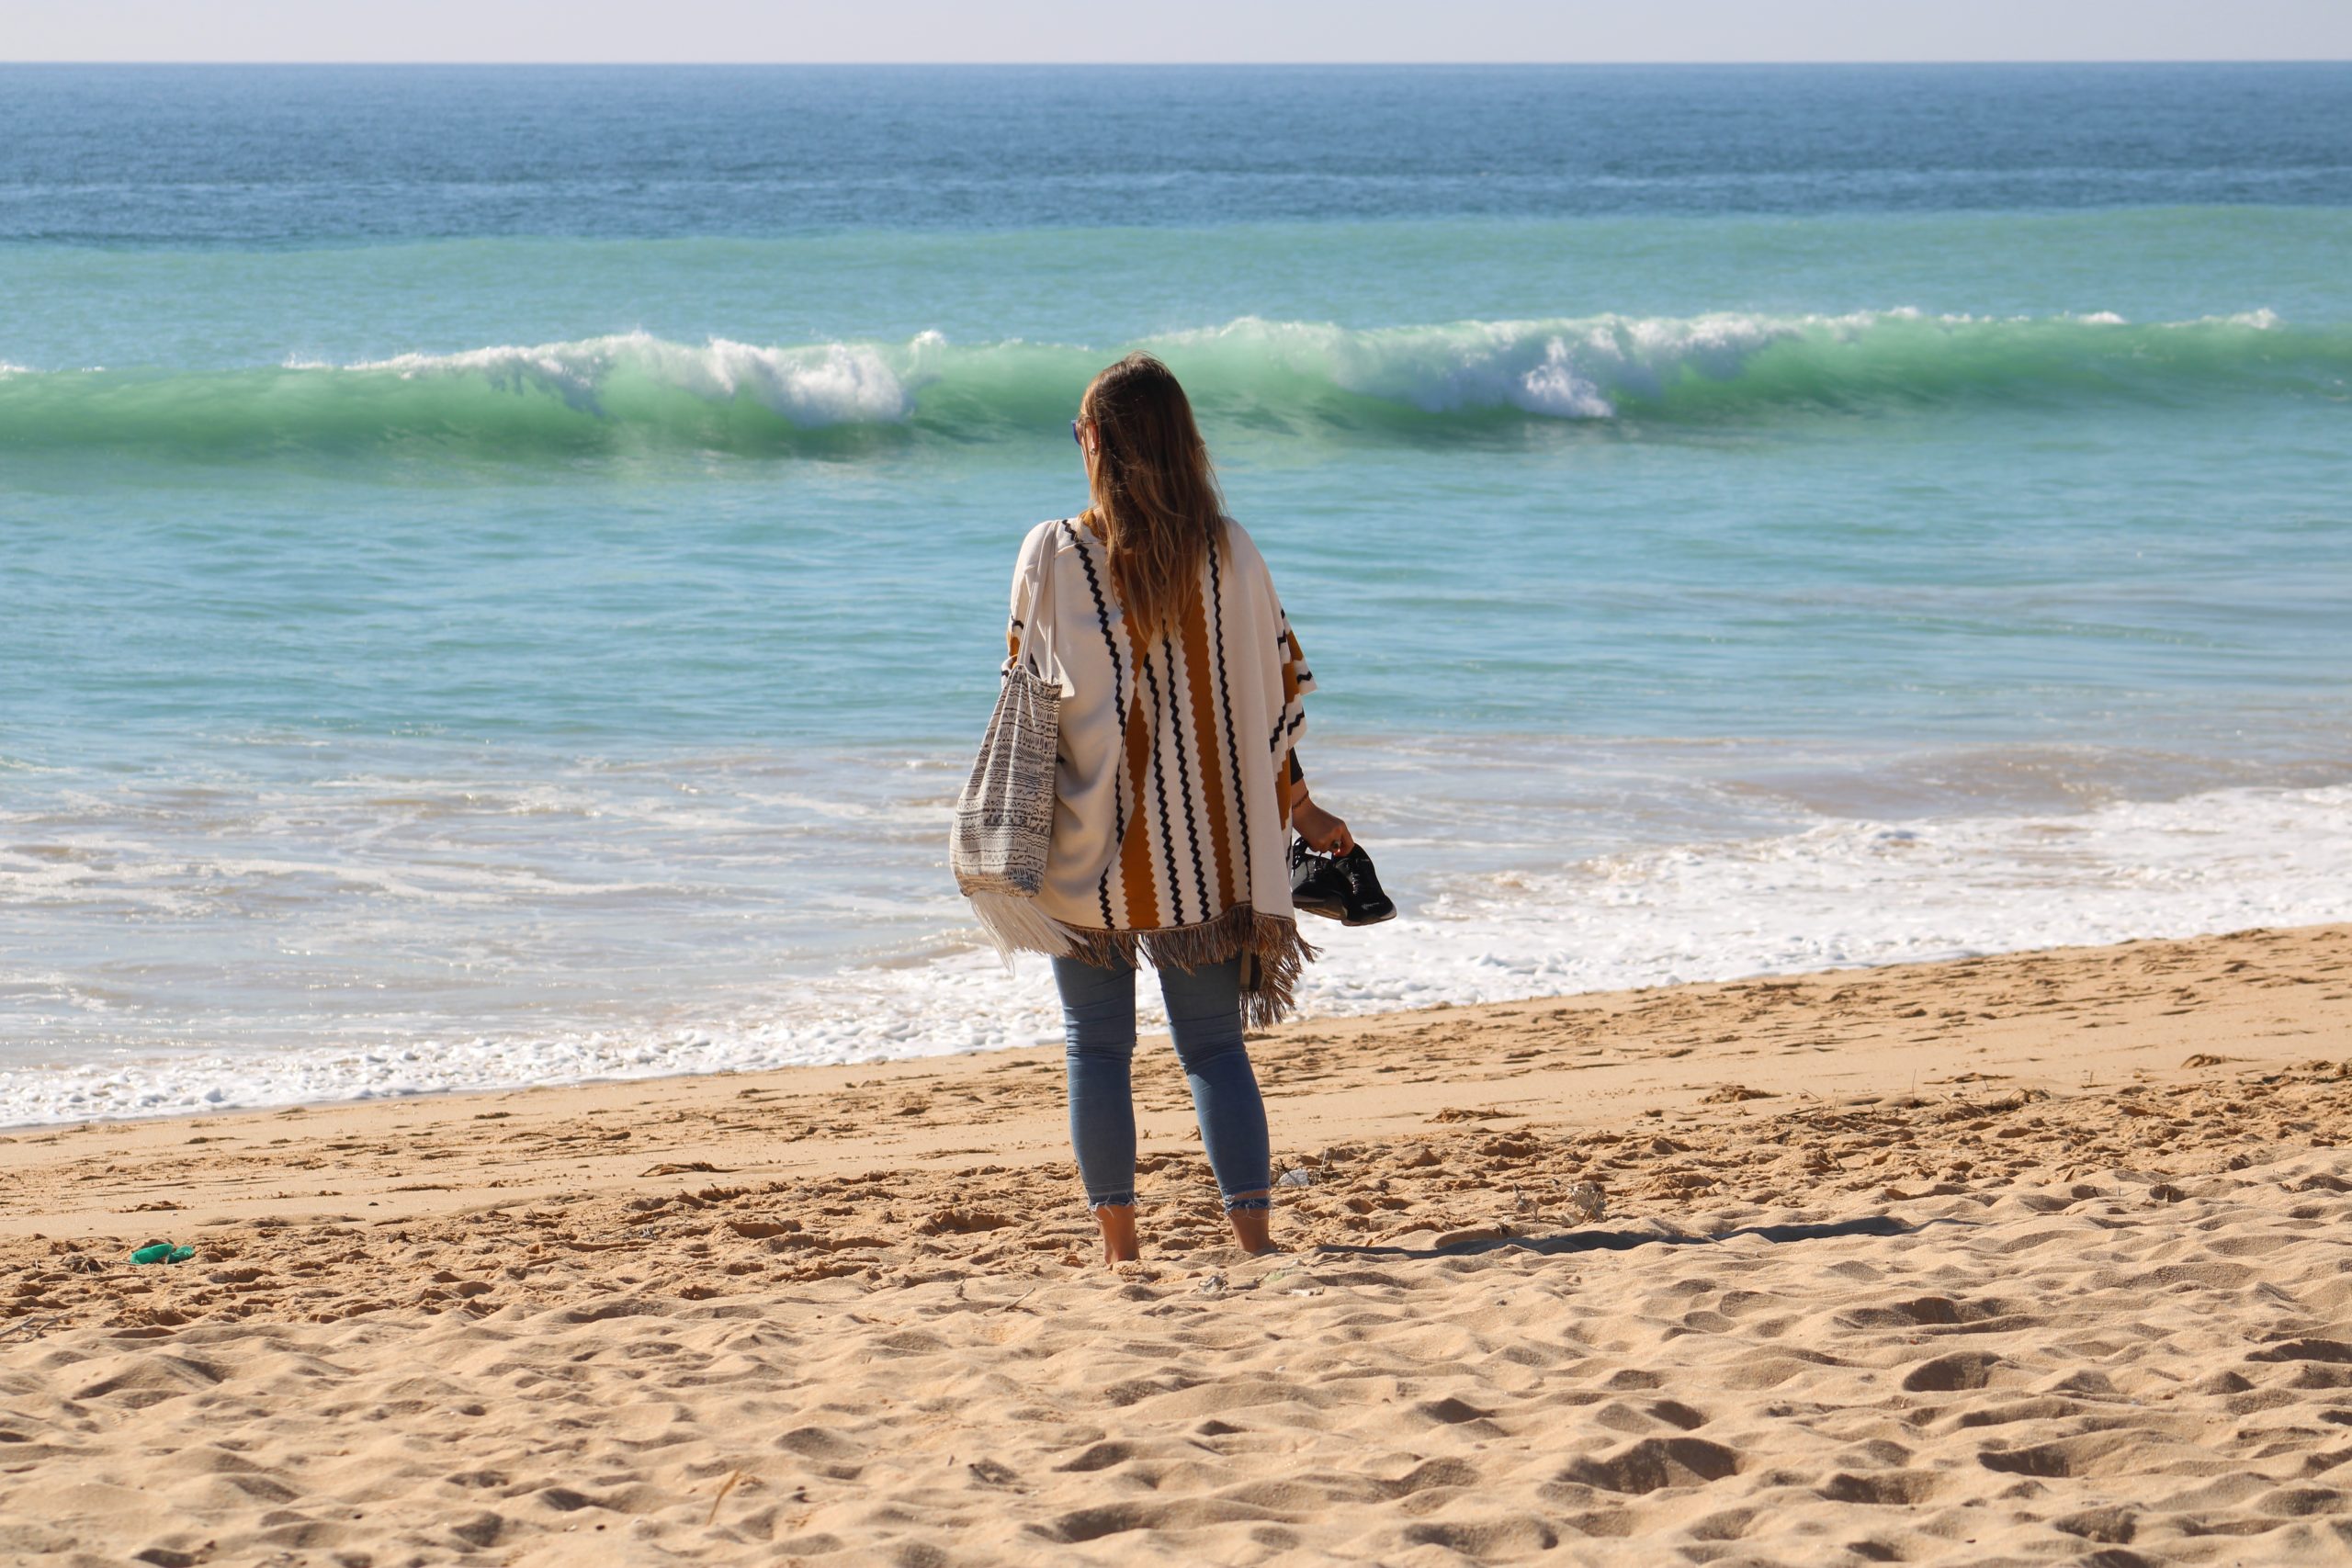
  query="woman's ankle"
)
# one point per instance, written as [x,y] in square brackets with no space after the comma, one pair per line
[1118,1223]
[1252,1218]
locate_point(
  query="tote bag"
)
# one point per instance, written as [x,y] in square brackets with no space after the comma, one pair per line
[1004,818]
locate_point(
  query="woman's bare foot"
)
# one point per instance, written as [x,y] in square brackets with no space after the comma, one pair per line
[1249,1228]
[1118,1223]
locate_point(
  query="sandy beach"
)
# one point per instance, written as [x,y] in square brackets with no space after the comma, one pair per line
[2028,1258]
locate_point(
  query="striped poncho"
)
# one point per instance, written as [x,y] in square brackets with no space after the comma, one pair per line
[1171,821]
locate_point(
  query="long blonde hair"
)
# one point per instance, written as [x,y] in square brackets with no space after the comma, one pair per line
[1156,499]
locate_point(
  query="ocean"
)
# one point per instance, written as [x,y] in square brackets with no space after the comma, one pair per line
[502,569]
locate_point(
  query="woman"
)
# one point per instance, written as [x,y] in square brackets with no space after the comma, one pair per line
[1177,788]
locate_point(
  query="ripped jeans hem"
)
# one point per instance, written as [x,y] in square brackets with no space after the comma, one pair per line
[1232,1205]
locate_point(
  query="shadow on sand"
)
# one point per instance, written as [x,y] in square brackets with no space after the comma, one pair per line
[1626,1241]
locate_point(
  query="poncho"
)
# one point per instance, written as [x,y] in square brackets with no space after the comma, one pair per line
[1171,820]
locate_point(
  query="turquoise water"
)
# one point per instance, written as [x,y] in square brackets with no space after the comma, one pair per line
[488,605]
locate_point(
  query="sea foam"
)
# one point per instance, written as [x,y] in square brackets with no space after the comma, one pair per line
[1836,893]
[812,386]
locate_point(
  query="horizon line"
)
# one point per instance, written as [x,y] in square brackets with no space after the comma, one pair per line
[1188,64]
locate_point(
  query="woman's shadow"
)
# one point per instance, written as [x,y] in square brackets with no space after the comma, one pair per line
[1626,1241]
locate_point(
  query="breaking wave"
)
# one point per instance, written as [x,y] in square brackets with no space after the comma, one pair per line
[634,391]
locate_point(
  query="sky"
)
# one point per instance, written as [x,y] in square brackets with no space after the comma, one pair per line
[1235,31]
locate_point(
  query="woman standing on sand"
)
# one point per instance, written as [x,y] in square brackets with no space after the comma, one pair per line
[1176,789]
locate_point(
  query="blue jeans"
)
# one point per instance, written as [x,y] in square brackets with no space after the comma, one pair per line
[1205,1016]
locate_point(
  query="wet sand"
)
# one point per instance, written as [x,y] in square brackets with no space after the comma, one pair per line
[2031,1259]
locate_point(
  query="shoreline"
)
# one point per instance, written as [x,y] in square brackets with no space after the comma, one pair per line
[1789,891]
[1578,1061]
[2043,1249]
[1341,1023]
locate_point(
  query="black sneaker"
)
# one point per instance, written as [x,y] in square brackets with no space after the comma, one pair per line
[1338,887]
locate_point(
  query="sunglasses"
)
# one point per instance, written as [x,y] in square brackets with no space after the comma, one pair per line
[1074,435]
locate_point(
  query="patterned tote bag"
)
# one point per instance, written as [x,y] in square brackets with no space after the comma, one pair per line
[1004,818]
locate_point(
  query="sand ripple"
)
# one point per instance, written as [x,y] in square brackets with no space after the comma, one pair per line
[2023,1375]
[1991,1322]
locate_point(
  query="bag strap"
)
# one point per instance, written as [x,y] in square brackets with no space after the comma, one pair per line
[1037,644]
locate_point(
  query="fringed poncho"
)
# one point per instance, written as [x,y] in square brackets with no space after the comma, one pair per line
[1171,823]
